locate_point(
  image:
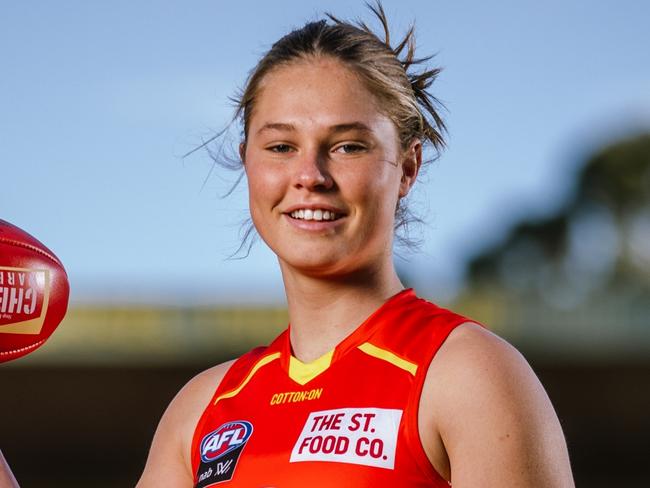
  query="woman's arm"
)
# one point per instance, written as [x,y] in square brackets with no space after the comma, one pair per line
[492,415]
[7,479]
[169,462]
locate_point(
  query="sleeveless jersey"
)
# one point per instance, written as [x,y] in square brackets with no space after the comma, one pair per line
[348,419]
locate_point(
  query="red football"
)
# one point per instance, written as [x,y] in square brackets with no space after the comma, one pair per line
[34,292]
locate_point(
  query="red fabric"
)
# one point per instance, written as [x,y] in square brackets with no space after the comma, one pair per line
[359,392]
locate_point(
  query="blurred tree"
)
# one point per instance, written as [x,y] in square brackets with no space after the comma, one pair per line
[597,243]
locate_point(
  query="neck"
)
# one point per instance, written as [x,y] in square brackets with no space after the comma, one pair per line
[323,311]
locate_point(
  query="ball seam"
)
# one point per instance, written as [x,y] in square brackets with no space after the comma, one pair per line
[31,248]
[22,349]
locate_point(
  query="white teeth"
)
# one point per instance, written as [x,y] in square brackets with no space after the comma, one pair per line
[318,214]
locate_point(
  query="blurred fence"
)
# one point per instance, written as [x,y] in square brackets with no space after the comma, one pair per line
[611,329]
[125,336]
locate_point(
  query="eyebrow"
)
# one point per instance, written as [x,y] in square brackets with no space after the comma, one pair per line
[336,129]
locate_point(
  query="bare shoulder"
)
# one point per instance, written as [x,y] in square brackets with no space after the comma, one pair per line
[492,415]
[169,456]
[7,479]
[472,349]
[190,402]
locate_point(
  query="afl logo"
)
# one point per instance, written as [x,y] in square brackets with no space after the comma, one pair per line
[227,438]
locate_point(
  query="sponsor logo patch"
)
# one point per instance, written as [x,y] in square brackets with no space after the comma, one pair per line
[366,436]
[296,396]
[24,296]
[220,450]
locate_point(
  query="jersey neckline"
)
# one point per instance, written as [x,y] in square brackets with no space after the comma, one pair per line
[302,373]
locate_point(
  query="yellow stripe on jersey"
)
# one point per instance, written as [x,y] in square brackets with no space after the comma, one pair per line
[262,362]
[392,358]
[302,373]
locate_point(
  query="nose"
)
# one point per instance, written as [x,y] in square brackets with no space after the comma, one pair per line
[311,172]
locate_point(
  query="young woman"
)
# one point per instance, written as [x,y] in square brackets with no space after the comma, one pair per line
[370,385]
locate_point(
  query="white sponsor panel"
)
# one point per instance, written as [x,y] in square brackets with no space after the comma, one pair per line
[366,436]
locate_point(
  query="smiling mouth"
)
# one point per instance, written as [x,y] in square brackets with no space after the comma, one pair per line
[316,215]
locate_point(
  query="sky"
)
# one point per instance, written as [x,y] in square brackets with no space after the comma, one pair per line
[100,100]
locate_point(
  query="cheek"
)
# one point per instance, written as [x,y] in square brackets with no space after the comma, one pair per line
[381,191]
[376,191]
[265,189]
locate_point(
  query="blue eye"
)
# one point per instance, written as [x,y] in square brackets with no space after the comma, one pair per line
[280,148]
[350,148]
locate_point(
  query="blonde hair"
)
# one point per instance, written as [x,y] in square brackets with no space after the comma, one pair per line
[388,72]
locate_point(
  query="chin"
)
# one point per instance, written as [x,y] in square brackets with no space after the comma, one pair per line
[315,263]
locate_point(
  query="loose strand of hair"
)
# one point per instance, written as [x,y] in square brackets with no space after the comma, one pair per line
[379,12]
[248,240]
[404,42]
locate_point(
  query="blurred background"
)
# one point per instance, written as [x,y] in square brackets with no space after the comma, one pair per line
[536,217]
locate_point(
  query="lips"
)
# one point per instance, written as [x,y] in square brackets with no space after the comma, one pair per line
[315,212]
[318,214]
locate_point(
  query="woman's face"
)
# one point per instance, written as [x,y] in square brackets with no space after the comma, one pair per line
[324,170]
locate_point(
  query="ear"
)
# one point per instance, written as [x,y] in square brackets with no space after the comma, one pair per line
[411,162]
[242,153]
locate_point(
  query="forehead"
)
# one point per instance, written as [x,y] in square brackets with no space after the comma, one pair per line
[314,92]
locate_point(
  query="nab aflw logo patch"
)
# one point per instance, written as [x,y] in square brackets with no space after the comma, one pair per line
[220,450]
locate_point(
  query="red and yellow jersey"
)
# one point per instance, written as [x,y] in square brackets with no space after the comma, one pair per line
[348,419]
